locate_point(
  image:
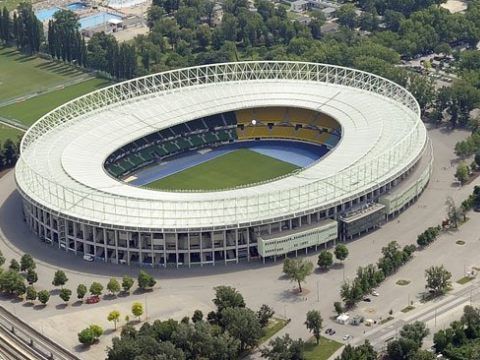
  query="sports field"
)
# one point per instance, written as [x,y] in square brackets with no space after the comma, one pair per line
[22,75]
[236,168]
[31,110]
[7,132]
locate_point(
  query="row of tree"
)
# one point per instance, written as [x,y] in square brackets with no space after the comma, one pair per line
[370,276]
[23,28]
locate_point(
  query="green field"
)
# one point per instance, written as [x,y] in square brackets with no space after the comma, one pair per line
[7,132]
[322,351]
[31,110]
[21,75]
[11,4]
[239,167]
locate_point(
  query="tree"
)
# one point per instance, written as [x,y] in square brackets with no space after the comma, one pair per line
[197,316]
[242,323]
[43,296]
[145,280]
[27,263]
[59,279]
[347,16]
[438,279]
[90,335]
[114,316]
[314,323]
[297,270]
[325,259]
[65,294]
[264,315]
[283,348]
[81,291]
[454,213]
[227,297]
[96,288]
[341,252]
[113,286]
[137,309]
[338,307]
[31,293]
[462,172]
[2,258]
[11,282]
[416,332]
[32,276]
[127,283]
[14,265]
[361,352]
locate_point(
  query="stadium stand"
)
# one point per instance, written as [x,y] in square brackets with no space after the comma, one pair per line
[271,123]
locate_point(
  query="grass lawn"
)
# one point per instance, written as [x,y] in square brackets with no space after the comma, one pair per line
[21,74]
[402,282]
[239,167]
[31,110]
[274,326]
[464,280]
[408,308]
[12,4]
[323,350]
[7,132]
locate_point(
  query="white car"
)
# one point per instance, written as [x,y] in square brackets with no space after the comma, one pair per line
[374,293]
[88,258]
[347,337]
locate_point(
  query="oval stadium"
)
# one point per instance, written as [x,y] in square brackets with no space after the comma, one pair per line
[223,163]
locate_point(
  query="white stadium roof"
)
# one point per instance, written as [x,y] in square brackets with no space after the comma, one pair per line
[61,166]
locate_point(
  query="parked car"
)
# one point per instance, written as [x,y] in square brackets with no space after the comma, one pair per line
[93,299]
[88,257]
[374,293]
[367,299]
[347,337]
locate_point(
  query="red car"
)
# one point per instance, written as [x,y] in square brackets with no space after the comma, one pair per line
[93,299]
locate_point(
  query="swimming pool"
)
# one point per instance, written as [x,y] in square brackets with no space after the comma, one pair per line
[97,19]
[77,6]
[46,14]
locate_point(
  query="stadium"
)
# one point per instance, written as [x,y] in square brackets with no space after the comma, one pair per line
[223,163]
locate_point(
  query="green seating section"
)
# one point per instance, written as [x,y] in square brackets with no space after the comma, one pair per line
[164,148]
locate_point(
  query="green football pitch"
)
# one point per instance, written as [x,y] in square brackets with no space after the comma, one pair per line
[236,168]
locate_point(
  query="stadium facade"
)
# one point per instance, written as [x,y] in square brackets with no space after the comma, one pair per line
[74,160]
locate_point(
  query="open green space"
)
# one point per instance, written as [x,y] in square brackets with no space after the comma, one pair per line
[274,326]
[464,280]
[323,350]
[12,4]
[21,75]
[7,132]
[32,109]
[239,167]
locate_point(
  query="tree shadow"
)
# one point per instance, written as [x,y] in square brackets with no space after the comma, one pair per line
[28,304]
[80,348]
[16,300]
[61,306]
[77,303]
[54,292]
[109,331]
[39,306]
[109,297]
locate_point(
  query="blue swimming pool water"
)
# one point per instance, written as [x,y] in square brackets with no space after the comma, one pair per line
[46,14]
[294,152]
[76,6]
[97,19]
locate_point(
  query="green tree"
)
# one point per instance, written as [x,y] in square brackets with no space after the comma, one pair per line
[31,293]
[127,283]
[341,252]
[32,276]
[43,296]
[11,282]
[325,259]
[297,270]
[65,294]
[59,278]
[81,291]
[137,309]
[113,286]
[438,279]
[242,323]
[314,323]
[338,307]
[454,213]
[227,297]
[416,332]
[27,262]
[264,314]
[462,173]
[283,348]
[114,316]
[96,288]
[197,316]
[86,336]
[14,265]
[145,281]
[347,16]
[2,259]
[361,352]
